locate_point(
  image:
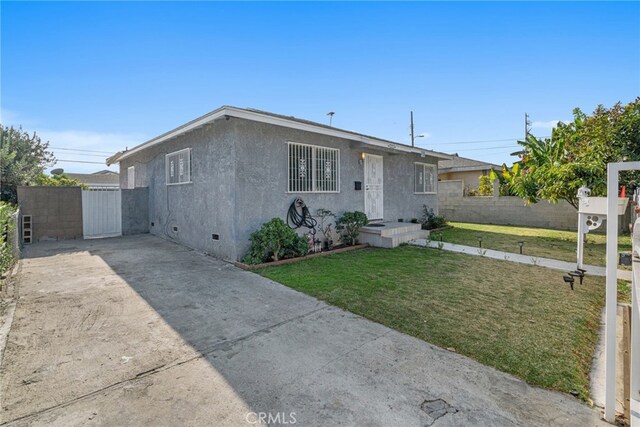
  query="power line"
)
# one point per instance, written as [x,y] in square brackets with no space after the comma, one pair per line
[79,149]
[86,155]
[489,148]
[477,142]
[79,161]
[481,141]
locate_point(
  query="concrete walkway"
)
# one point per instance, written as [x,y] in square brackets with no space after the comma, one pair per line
[140,331]
[553,264]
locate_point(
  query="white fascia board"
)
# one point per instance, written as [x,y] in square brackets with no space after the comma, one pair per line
[278,121]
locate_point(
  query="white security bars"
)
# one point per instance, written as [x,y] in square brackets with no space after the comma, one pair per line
[178,167]
[313,169]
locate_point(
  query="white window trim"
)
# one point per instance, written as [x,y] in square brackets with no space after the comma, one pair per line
[435,174]
[131,182]
[166,167]
[313,169]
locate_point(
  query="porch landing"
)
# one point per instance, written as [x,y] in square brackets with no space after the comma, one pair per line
[391,234]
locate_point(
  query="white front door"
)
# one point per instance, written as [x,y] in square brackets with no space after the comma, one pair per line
[373,199]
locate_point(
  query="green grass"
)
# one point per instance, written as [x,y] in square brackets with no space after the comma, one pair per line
[538,242]
[520,319]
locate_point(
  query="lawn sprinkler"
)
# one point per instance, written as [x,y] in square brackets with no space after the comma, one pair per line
[569,280]
[578,273]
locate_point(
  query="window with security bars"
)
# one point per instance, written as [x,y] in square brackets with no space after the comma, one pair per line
[425,175]
[313,169]
[178,166]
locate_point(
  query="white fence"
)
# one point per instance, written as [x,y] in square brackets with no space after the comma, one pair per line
[101,213]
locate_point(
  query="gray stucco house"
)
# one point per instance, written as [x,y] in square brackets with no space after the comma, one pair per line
[213,181]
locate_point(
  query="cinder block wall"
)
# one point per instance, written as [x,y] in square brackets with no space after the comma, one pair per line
[56,211]
[503,210]
[509,210]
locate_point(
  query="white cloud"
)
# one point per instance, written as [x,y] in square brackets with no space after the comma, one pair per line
[547,125]
[63,142]
[13,118]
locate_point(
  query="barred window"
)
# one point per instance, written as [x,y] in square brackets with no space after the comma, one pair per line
[313,169]
[425,178]
[178,167]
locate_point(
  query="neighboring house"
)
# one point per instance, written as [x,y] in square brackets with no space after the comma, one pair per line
[466,170]
[215,180]
[102,179]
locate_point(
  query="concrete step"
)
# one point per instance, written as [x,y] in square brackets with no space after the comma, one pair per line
[391,228]
[394,239]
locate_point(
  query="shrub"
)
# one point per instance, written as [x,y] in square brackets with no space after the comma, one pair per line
[6,226]
[299,247]
[349,223]
[485,186]
[430,220]
[275,241]
[58,181]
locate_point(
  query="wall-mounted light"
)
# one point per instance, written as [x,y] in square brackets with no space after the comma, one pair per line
[361,159]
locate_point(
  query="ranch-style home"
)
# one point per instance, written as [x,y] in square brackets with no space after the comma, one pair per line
[215,180]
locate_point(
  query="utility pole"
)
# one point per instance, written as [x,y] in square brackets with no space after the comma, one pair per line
[413,138]
[527,126]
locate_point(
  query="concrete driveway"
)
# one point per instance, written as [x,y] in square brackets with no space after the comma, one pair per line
[137,330]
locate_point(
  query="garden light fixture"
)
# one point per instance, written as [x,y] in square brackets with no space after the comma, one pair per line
[521,244]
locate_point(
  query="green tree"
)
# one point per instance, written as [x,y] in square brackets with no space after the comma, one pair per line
[577,154]
[485,185]
[23,158]
[60,180]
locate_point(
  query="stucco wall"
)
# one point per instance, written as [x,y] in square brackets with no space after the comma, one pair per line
[135,211]
[469,178]
[239,181]
[261,181]
[56,211]
[509,210]
[201,208]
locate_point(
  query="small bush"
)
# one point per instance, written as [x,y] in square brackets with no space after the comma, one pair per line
[430,220]
[58,181]
[275,241]
[485,186]
[349,224]
[6,226]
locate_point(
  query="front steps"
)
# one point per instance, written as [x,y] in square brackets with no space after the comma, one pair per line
[391,234]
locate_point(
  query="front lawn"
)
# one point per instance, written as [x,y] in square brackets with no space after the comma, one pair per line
[520,319]
[538,242]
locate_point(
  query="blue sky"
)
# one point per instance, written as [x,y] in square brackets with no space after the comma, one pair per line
[102,76]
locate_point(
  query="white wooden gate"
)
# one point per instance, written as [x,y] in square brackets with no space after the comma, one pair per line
[373,187]
[101,213]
